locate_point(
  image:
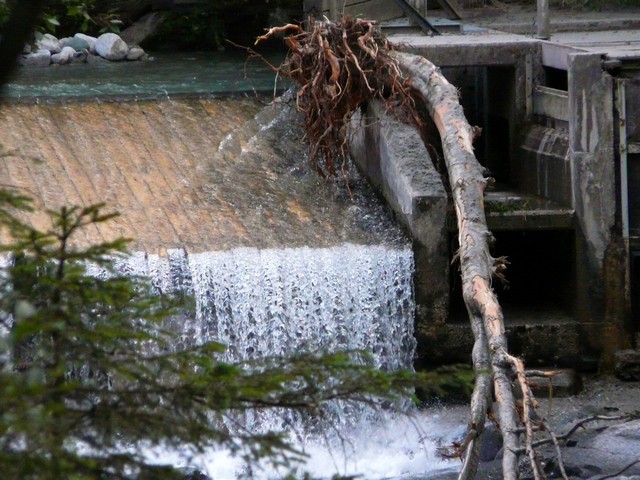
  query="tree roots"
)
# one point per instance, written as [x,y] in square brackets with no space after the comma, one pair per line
[338,67]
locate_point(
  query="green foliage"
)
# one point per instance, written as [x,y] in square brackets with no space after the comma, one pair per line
[204,26]
[202,29]
[89,375]
[67,17]
[209,25]
[447,383]
[4,11]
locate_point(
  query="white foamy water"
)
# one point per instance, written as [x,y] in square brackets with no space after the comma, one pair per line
[399,448]
[281,301]
[277,302]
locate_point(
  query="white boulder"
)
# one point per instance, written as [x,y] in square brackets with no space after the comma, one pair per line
[49,42]
[111,47]
[65,56]
[91,41]
[41,58]
[135,53]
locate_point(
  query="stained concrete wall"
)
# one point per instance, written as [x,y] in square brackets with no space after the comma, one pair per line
[602,258]
[395,160]
[578,170]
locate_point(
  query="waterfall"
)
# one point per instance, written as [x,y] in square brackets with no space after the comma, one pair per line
[349,288]
[298,264]
[280,301]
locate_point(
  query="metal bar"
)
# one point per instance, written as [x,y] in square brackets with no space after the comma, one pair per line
[621,99]
[542,22]
[451,7]
[422,22]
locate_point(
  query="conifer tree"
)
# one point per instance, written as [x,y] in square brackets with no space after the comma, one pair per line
[90,378]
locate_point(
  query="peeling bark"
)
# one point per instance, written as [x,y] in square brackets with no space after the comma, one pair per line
[476,263]
[340,65]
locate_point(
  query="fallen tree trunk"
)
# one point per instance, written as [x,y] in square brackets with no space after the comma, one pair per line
[477,265]
[341,65]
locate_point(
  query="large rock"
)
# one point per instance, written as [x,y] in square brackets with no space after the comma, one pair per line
[144,28]
[41,58]
[136,53]
[81,57]
[620,439]
[96,60]
[65,56]
[91,41]
[49,42]
[627,365]
[111,47]
[78,44]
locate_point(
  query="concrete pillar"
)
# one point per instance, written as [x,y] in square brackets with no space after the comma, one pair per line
[542,21]
[601,257]
[395,160]
[333,10]
[312,8]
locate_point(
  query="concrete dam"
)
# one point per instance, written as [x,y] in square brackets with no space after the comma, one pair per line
[193,173]
[183,173]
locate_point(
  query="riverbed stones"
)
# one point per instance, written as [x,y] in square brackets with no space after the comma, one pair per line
[627,365]
[49,42]
[111,47]
[41,58]
[65,56]
[80,48]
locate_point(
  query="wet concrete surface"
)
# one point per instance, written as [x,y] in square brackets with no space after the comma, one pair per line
[201,174]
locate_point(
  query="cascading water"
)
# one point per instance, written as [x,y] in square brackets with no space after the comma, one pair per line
[282,301]
[351,294]
[320,268]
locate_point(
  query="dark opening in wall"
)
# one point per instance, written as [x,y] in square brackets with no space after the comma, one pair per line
[635,291]
[540,275]
[633,184]
[500,101]
[556,78]
[488,96]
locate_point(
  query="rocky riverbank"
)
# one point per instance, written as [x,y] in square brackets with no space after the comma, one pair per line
[49,50]
[598,450]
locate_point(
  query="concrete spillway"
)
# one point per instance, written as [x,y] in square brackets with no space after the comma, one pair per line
[198,174]
[221,202]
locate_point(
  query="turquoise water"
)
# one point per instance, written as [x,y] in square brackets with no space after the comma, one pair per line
[164,74]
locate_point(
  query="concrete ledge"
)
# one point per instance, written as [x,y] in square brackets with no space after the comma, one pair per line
[557,382]
[542,344]
[551,103]
[396,162]
[466,50]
